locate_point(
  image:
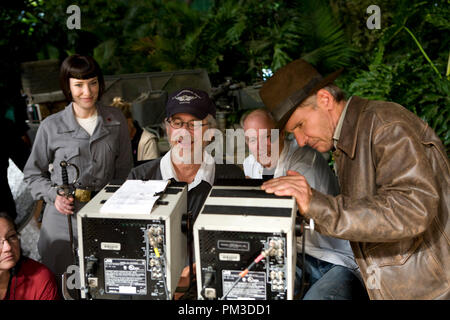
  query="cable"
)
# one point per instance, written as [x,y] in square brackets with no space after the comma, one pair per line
[165,274]
[189,243]
[209,278]
[189,250]
[261,256]
[156,252]
[15,286]
[13,274]
[163,264]
[8,293]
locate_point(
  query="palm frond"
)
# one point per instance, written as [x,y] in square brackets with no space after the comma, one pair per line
[323,39]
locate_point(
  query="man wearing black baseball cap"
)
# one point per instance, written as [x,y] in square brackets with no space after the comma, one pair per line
[189,114]
[193,101]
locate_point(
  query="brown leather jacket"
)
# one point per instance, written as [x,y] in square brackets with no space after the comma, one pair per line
[394,203]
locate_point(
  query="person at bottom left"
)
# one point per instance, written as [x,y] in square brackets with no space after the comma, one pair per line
[21,278]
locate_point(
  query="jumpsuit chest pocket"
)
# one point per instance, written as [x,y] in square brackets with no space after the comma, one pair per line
[106,140]
[71,154]
[104,153]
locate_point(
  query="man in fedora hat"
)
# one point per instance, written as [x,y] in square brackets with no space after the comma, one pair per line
[394,178]
[326,268]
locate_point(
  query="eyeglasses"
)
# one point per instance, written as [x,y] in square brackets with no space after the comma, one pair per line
[191,125]
[13,239]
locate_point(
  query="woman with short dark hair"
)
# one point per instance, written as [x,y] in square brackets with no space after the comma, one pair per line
[21,278]
[80,67]
[86,134]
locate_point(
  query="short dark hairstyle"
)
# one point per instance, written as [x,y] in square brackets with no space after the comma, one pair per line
[80,67]
[8,218]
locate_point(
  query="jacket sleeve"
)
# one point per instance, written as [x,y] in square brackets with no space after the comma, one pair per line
[124,161]
[36,171]
[406,198]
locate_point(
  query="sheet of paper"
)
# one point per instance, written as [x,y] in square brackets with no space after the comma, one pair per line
[134,196]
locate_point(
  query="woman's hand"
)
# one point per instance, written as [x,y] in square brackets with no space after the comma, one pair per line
[64,205]
[294,184]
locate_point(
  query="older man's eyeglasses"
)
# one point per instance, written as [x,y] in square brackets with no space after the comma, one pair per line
[12,239]
[191,125]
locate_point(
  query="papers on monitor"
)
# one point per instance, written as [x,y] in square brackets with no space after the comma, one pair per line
[135,196]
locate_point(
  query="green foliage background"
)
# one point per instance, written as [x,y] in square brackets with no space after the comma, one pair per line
[406,61]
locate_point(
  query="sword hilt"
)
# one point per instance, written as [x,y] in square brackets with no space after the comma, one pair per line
[65,177]
[66,188]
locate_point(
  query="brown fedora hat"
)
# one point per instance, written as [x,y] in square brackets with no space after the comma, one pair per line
[291,85]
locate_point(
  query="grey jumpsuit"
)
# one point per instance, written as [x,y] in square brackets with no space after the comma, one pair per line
[102,157]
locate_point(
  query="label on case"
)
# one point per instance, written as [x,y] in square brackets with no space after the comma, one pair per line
[233,245]
[229,257]
[125,276]
[251,287]
[110,246]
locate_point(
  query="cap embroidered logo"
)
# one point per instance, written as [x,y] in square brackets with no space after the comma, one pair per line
[186,96]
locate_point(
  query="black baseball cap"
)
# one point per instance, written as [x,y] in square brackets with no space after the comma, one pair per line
[193,101]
